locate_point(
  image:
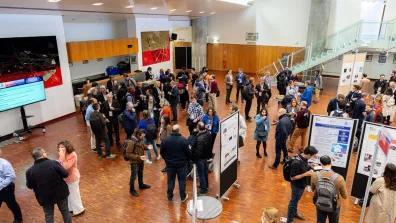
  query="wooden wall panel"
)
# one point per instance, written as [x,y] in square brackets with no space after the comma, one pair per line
[218,56]
[83,49]
[100,48]
[135,45]
[91,50]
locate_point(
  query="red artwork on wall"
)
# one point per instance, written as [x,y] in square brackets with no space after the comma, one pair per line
[155,47]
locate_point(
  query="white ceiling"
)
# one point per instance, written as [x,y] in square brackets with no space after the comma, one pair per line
[112,10]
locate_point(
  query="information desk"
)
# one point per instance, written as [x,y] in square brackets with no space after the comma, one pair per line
[211,208]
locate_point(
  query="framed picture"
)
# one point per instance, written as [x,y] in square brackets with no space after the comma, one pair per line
[127,58]
[133,60]
[382,58]
[369,57]
[394,58]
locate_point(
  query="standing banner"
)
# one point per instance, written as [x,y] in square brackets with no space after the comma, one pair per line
[229,136]
[351,72]
[373,135]
[333,136]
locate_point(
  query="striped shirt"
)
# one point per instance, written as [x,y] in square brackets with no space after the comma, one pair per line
[195,111]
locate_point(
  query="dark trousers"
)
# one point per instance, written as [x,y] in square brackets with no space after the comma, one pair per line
[184,99]
[99,138]
[279,147]
[174,111]
[228,94]
[281,89]
[269,93]
[200,102]
[113,126]
[63,208]
[239,90]
[191,125]
[203,172]
[136,170]
[260,104]
[248,106]
[129,133]
[214,135]
[258,146]
[7,195]
[321,216]
[297,193]
[181,174]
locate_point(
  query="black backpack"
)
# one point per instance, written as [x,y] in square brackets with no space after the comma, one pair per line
[325,196]
[287,166]
[124,148]
[379,118]
[151,133]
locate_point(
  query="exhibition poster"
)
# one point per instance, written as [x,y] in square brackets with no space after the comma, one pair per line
[229,141]
[357,72]
[346,74]
[332,137]
[375,135]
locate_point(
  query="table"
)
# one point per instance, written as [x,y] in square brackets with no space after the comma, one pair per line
[212,208]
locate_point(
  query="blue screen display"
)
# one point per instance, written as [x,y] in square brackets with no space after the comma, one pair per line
[14,94]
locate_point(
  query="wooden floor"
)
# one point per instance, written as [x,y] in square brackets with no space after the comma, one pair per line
[104,183]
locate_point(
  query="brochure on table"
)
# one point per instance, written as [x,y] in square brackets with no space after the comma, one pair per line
[385,138]
[229,141]
[332,137]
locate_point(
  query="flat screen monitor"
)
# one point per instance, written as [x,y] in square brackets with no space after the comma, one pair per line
[17,93]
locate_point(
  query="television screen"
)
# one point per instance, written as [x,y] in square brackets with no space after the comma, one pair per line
[14,94]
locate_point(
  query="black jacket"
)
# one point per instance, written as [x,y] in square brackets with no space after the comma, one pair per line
[106,110]
[287,100]
[174,96]
[382,84]
[97,122]
[175,150]
[110,85]
[202,147]
[264,92]
[332,106]
[148,76]
[45,177]
[121,93]
[283,128]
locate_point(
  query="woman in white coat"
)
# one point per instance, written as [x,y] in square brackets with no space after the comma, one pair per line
[389,106]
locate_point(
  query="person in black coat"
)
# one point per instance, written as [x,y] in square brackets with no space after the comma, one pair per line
[111,109]
[130,120]
[281,134]
[287,99]
[98,127]
[334,104]
[122,91]
[148,74]
[174,99]
[110,84]
[380,85]
[46,178]
[262,90]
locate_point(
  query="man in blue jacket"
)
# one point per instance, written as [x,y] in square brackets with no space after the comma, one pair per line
[241,82]
[87,115]
[281,134]
[130,121]
[307,94]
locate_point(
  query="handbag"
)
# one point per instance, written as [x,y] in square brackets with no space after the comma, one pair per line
[240,141]
[217,94]
[261,133]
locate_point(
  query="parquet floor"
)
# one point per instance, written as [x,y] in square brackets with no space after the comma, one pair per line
[105,190]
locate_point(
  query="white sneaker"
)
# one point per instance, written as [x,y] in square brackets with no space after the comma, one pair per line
[185,198]
[149,162]
[112,156]
[158,157]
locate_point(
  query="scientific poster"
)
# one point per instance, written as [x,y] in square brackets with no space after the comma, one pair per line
[357,72]
[385,138]
[229,141]
[332,136]
[346,74]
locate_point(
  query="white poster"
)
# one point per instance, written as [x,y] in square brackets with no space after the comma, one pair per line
[346,74]
[357,72]
[332,136]
[229,130]
[385,138]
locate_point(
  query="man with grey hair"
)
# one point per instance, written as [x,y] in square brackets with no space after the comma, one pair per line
[302,122]
[45,177]
[129,119]
[102,95]
[176,152]
[281,134]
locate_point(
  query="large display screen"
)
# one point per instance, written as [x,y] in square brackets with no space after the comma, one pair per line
[14,94]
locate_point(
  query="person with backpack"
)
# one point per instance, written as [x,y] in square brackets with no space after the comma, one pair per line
[302,121]
[318,85]
[340,111]
[328,187]
[241,82]
[335,103]
[261,131]
[148,125]
[307,94]
[134,153]
[298,174]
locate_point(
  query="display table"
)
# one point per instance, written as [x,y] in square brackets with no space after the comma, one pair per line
[212,208]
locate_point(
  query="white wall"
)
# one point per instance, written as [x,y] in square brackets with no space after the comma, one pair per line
[343,14]
[93,67]
[390,10]
[60,98]
[184,34]
[181,23]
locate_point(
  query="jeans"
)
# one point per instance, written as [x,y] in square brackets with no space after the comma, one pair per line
[105,138]
[7,195]
[136,169]
[174,112]
[228,94]
[154,144]
[214,135]
[203,172]
[321,216]
[296,196]
[113,125]
[200,102]
[248,106]
[279,147]
[239,89]
[63,208]
[181,177]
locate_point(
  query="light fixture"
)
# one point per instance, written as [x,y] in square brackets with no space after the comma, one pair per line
[98,4]
[172,10]
[54,1]
[238,2]
[154,8]
[129,6]
[201,12]
[189,11]
[212,13]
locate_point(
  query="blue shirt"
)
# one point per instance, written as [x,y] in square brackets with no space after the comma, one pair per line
[88,112]
[242,77]
[7,174]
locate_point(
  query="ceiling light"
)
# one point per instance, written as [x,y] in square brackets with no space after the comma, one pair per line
[172,10]
[238,2]
[212,13]
[202,12]
[189,11]
[54,1]
[97,4]
[129,6]
[155,8]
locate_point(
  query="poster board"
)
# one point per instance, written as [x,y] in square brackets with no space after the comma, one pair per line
[373,135]
[351,72]
[333,136]
[229,136]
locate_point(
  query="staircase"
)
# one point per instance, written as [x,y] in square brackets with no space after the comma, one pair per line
[350,38]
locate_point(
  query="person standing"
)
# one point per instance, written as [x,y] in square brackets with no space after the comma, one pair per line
[267,81]
[7,189]
[388,103]
[383,202]
[340,189]
[110,83]
[281,134]
[111,110]
[249,98]
[165,131]
[135,153]
[176,153]
[359,112]
[202,151]
[261,132]
[334,104]
[195,113]
[213,92]
[292,110]
[174,100]
[392,76]
[229,84]
[365,84]
[200,90]
[129,120]
[194,76]
[88,113]
[45,177]
[68,159]
[370,113]
[102,96]
[318,85]
[165,108]
[261,95]
[212,123]
[352,97]
[242,129]
[148,125]
[380,85]
[148,74]
[302,122]
[282,79]
[241,82]
[307,94]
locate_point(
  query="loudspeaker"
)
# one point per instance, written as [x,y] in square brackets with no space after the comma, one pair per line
[174,36]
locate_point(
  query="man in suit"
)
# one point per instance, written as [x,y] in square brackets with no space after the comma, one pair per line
[229,84]
[282,78]
[380,85]
[261,95]
[149,75]
[111,109]
[174,96]
[102,95]
[334,104]
[110,83]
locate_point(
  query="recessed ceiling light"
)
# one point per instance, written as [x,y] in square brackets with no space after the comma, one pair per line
[97,4]
[154,8]
[129,6]
[172,10]
[212,13]
[189,11]
[54,1]
[202,12]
